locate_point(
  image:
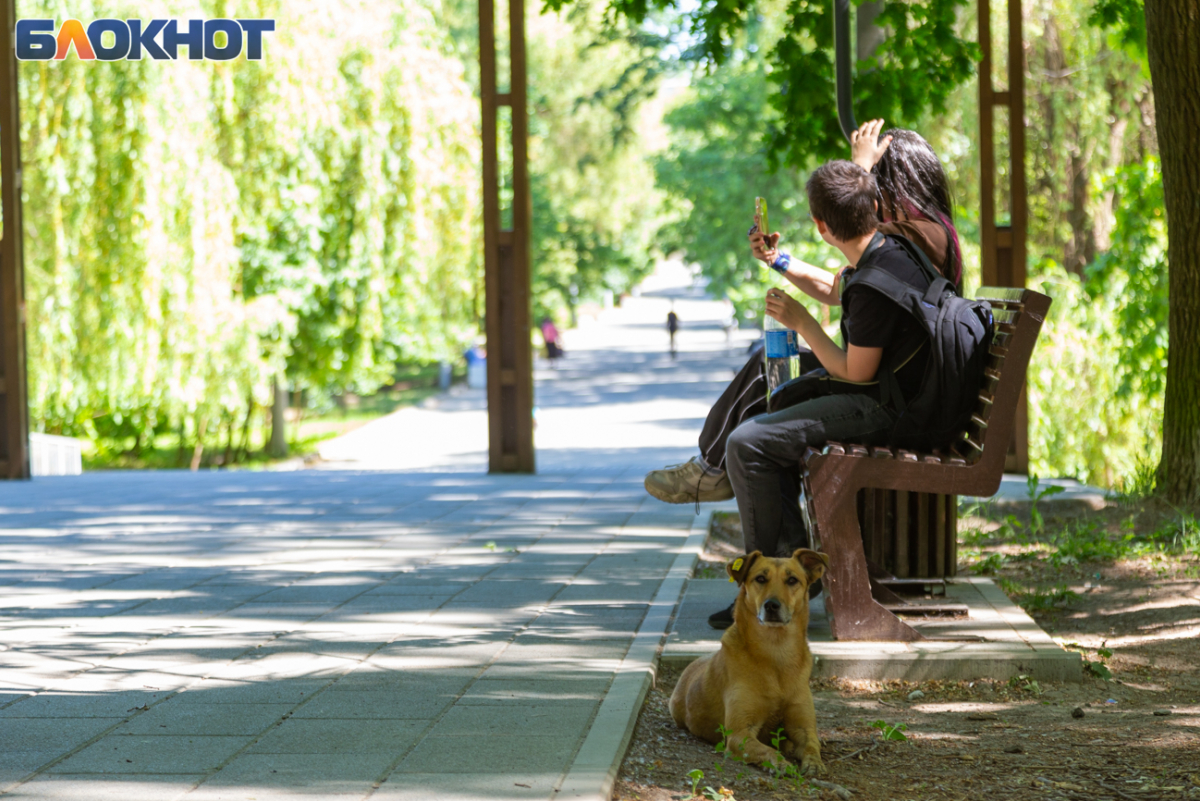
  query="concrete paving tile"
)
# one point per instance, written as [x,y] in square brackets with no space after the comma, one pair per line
[467,786]
[406,656]
[175,717]
[301,594]
[371,603]
[581,691]
[237,792]
[274,775]
[514,720]
[266,664]
[615,565]
[564,670]
[143,754]
[107,788]
[500,594]
[609,590]
[18,766]
[325,736]
[431,589]
[531,651]
[9,697]
[107,680]
[284,691]
[533,753]
[377,704]
[297,612]
[54,704]
[49,734]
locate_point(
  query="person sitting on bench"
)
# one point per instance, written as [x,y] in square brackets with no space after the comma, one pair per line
[764,453]
[914,202]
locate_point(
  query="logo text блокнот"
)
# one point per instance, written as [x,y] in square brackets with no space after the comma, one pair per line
[133,40]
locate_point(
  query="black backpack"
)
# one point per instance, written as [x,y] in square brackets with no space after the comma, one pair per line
[960,334]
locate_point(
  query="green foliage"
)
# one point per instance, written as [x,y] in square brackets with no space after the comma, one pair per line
[1097,667]
[1084,541]
[989,564]
[713,170]
[914,71]
[1128,17]
[197,228]
[1180,532]
[595,206]
[1036,494]
[891,731]
[911,74]
[1035,599]
[1133,272]
[1105,338]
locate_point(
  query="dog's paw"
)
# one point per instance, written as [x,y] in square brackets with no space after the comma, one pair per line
[793,751]
[776,762]
[811,765]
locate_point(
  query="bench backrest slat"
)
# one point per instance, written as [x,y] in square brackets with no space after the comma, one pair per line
[1009,305]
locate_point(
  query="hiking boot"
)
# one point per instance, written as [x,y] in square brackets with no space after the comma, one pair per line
[723,619]
[688,483]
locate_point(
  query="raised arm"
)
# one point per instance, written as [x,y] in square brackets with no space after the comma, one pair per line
[813,281]
[865,148]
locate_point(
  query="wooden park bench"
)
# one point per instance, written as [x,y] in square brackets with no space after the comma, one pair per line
[861,603]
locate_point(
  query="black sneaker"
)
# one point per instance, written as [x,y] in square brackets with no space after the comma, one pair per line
[722,619]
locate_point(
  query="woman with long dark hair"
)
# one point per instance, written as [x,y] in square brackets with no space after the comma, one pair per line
[912,186]
[914,202]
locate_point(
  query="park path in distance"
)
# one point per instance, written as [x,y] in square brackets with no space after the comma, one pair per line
[416,632]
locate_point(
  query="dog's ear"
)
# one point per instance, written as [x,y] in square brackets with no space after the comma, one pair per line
[739,568]
[814,563]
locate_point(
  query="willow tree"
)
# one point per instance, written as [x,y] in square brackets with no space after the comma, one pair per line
[195,227]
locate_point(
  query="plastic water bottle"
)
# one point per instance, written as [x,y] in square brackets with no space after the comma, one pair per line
[781,354]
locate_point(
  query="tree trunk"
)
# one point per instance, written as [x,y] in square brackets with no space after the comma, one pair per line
[244,452]
[198,452]
[279,446]
[1172,33]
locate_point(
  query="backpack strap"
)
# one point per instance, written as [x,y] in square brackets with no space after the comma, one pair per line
[938,283]
[904,295]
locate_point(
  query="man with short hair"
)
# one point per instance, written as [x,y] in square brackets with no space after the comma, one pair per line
[763,454]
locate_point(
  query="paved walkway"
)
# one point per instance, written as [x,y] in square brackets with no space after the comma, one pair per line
[423,632]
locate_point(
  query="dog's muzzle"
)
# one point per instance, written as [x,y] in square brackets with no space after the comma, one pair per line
[772,612]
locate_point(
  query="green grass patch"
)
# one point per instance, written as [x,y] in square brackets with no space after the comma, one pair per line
[1037,599]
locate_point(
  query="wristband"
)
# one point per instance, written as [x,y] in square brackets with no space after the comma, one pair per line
[782,263]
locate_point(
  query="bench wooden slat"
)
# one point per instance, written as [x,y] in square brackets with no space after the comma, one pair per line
[1006,317]
[1001,294]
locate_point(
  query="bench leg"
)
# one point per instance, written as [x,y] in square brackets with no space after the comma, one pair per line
[856,614]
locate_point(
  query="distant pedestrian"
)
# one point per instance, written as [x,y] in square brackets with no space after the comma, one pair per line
[672,328]
[554,350]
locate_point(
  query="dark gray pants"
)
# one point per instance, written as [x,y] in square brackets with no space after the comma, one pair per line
[763,462]
[745,397]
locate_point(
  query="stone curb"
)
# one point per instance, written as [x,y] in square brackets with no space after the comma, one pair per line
[594,771]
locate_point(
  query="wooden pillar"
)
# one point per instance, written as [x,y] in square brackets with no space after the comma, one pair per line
[1003,246]
[506,252]
[14,398]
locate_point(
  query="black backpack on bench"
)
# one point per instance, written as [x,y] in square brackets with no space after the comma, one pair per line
[960,334]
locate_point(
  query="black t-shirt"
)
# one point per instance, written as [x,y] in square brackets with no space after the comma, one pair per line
[873,320]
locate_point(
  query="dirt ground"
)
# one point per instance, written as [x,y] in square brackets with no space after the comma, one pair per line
[1131,609]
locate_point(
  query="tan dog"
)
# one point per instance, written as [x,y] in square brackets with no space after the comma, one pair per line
[758,681]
